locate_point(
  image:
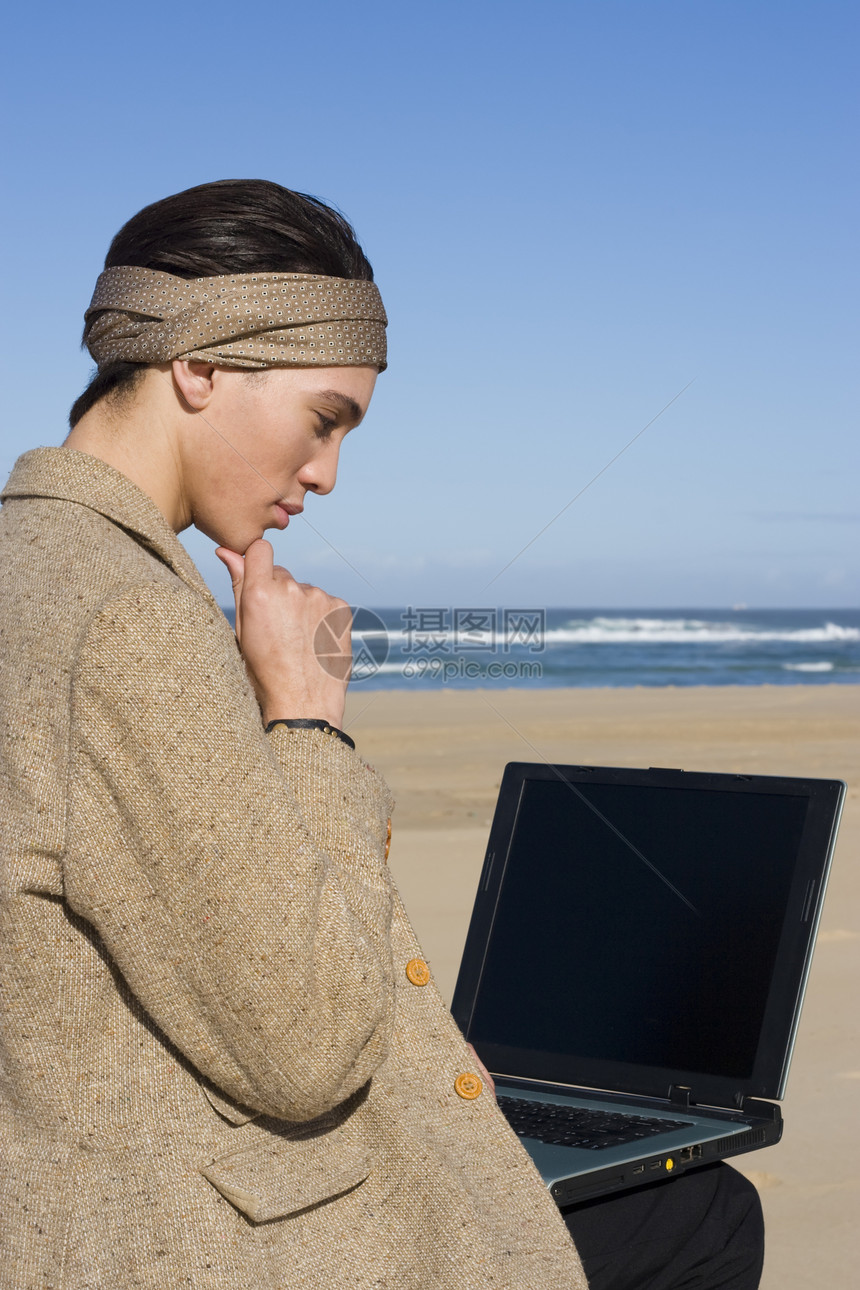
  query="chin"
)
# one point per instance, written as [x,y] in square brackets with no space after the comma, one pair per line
[234,539]
[241,541]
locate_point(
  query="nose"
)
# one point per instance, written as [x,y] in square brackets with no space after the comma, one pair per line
[319,475]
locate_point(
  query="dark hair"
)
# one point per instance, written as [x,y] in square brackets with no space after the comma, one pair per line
[231,226]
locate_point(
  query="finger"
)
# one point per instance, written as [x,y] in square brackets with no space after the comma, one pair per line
[236,568]
[339,621]
[488,1079]
[235,564]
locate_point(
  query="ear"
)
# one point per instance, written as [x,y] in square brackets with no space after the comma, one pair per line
[192,381]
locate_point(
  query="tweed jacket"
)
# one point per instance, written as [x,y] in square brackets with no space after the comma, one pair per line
[215,1070]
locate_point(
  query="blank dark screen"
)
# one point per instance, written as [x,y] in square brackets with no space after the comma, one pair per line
[639,924]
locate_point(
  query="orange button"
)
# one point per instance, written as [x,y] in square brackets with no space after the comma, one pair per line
[468,1086]
[388,839]
[418,971]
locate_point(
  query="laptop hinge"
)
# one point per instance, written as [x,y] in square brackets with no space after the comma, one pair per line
[681,1096]
[753,1106]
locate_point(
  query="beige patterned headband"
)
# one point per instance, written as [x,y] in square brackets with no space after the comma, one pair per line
[251,320]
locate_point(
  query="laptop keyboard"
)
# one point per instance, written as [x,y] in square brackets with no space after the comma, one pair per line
[579,1126]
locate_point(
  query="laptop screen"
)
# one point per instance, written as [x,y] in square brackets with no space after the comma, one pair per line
[641,925]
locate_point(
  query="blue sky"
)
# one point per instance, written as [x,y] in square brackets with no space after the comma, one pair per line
[573,210]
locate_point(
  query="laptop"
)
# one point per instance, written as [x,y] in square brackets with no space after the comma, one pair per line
[639,949]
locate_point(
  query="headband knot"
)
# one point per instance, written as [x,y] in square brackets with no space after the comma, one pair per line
[252,320]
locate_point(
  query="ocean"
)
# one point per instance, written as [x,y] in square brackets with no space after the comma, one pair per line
[427,647]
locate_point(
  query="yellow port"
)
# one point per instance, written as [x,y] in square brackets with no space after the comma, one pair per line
[670,1164]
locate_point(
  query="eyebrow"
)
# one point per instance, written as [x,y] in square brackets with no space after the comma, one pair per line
[347,405]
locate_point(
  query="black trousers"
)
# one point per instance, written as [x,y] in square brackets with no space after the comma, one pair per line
[700,1231]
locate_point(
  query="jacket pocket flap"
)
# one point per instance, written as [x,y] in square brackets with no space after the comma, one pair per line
[280,1177]
[226,1107]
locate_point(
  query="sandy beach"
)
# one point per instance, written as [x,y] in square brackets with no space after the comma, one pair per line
[443,753]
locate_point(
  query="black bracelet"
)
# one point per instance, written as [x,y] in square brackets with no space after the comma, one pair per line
[310,723]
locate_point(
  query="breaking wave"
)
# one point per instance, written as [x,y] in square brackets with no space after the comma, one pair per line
[689,631]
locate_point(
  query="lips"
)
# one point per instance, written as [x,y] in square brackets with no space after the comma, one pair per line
[284,510]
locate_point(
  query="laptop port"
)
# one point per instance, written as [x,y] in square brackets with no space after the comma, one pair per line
[687,1154]
[640,1169]
[656,1164]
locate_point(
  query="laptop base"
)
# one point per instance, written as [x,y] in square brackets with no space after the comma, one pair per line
[712,1134]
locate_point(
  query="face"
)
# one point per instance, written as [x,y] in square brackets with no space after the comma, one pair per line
[257,443]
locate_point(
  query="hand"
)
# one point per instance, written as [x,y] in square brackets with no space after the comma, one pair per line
[277,625]
[487,1077]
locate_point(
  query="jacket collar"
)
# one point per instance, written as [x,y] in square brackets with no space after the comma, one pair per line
[72,476]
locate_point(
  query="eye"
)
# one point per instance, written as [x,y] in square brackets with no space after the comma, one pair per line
[326,425]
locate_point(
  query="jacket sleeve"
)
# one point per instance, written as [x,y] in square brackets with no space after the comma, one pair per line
[236,879]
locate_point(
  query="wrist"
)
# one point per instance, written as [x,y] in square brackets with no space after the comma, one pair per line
[311,723]
[293,712]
